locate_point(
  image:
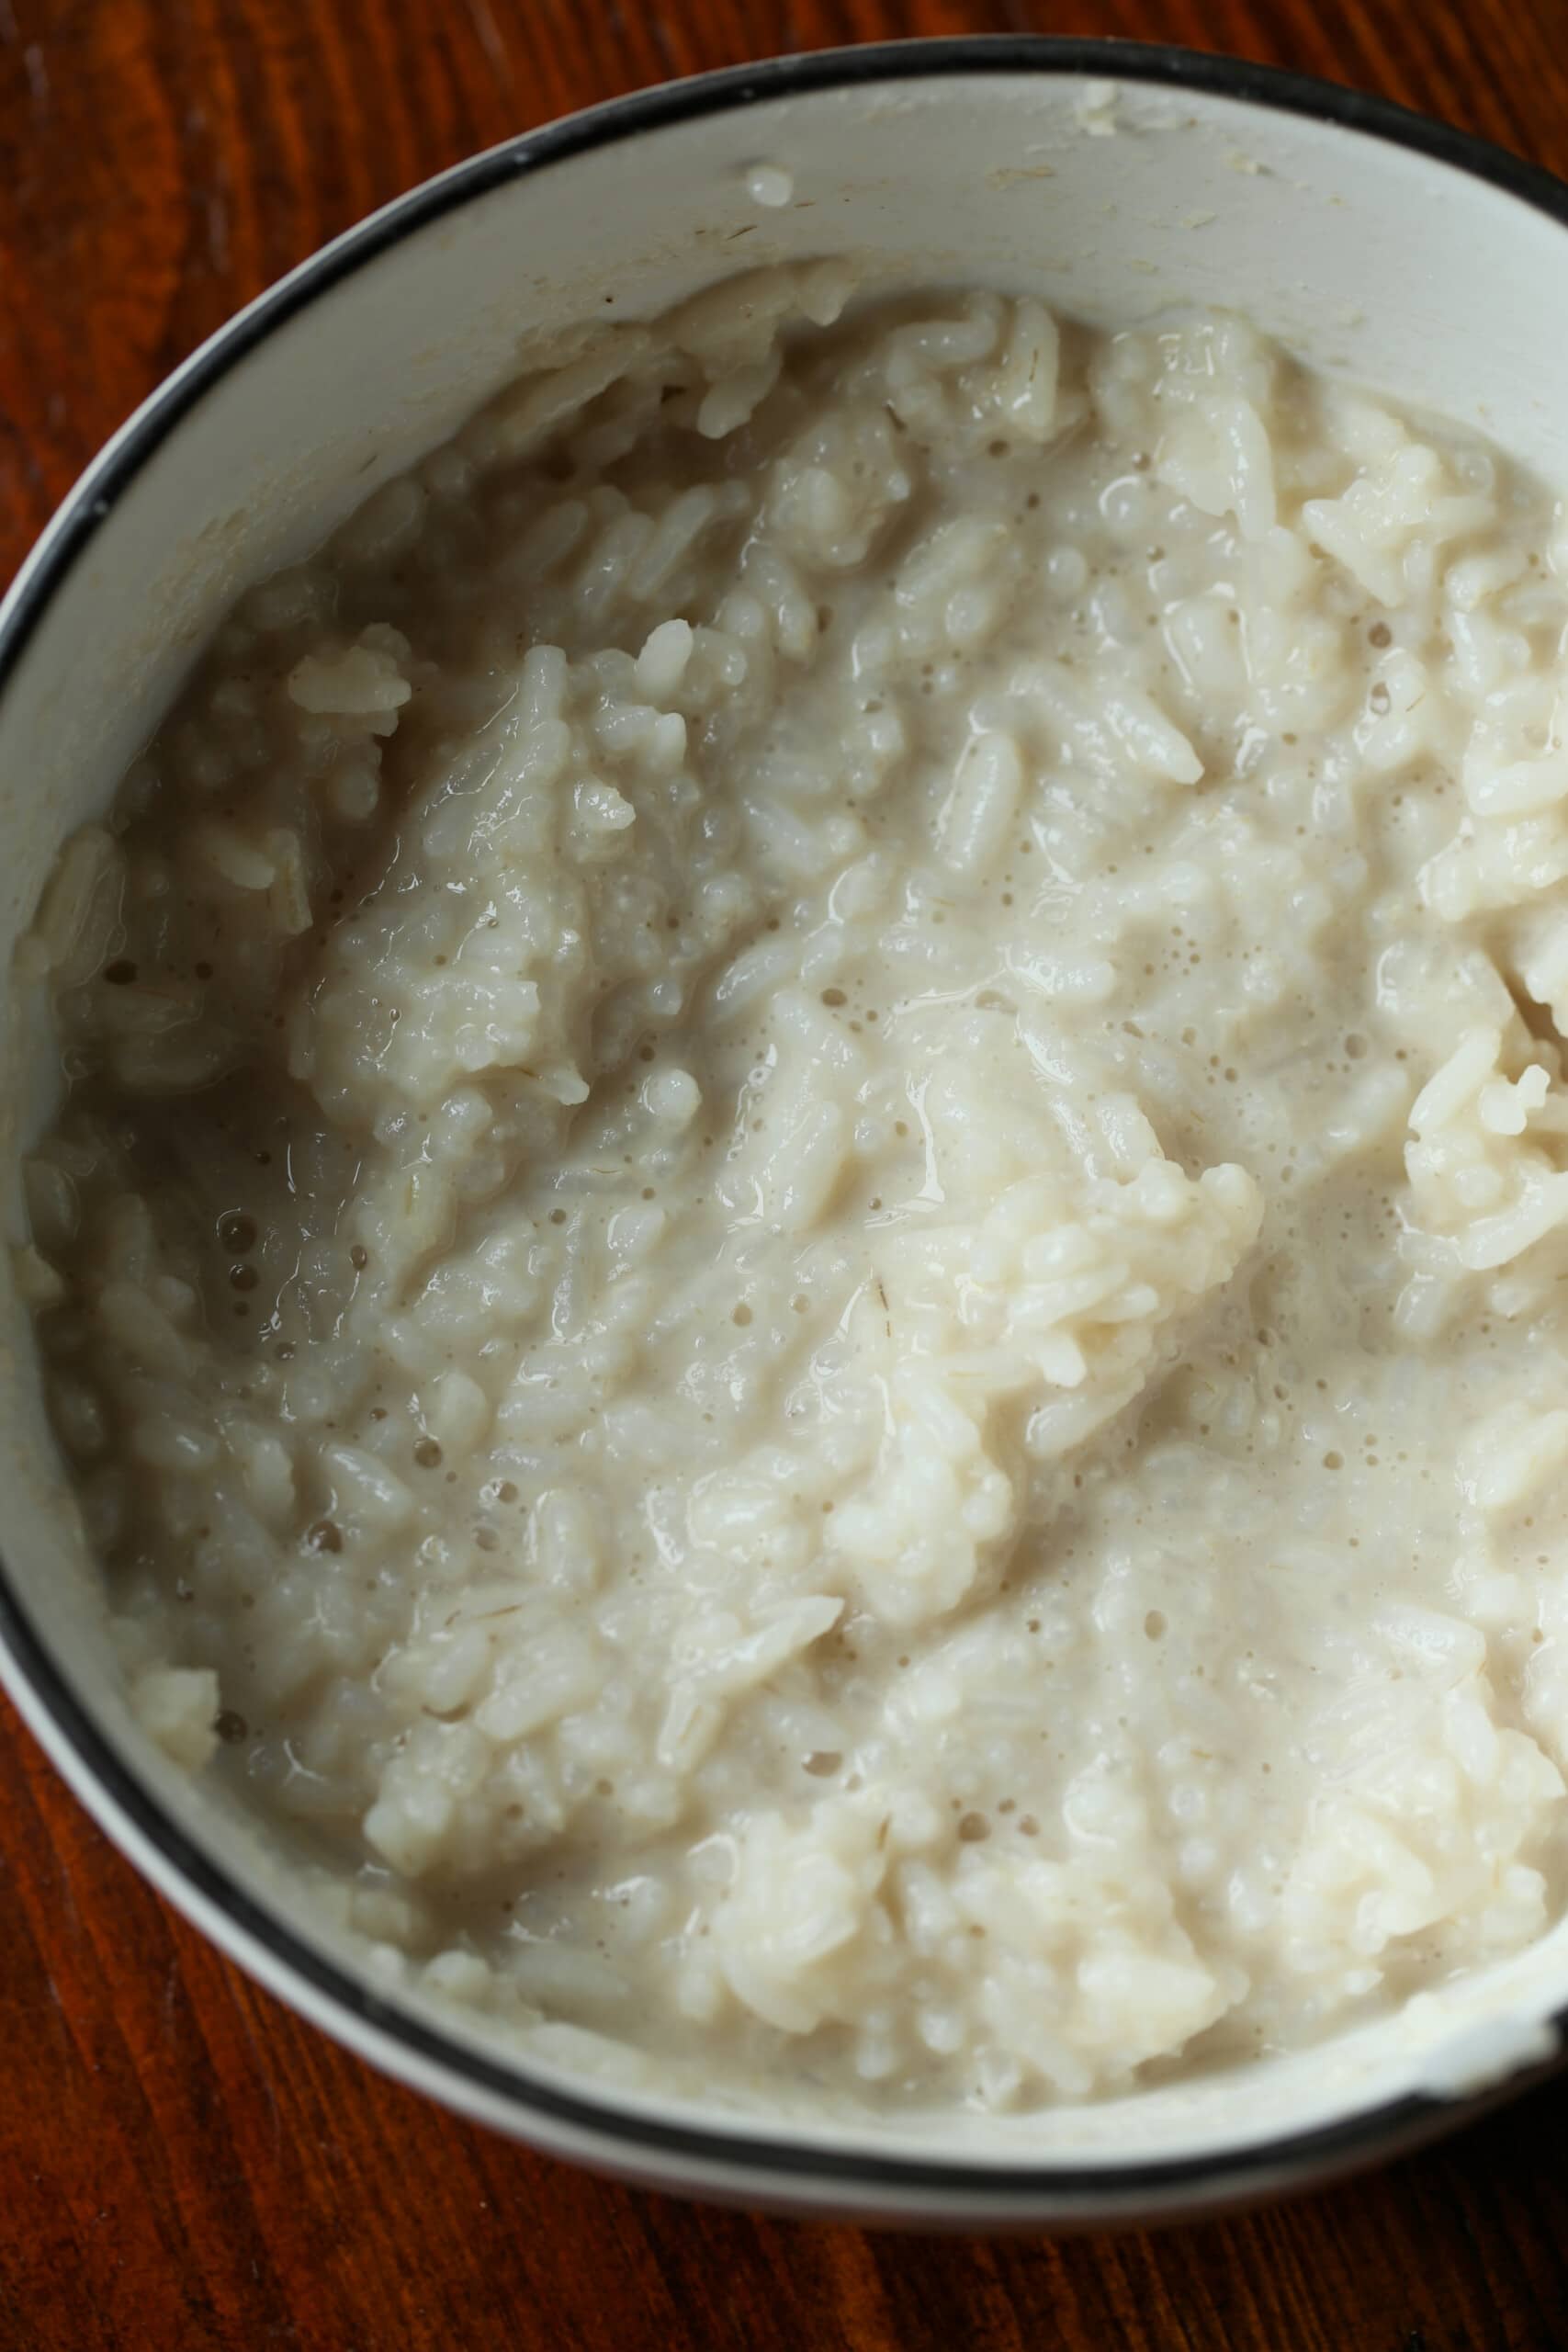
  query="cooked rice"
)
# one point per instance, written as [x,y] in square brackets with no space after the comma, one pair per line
[809,1252]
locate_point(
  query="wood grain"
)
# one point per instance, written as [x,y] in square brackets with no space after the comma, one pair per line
[184,2167]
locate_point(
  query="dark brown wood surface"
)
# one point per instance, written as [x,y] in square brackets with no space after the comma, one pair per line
[183,2165]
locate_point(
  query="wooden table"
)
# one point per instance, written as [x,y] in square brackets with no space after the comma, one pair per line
[183,2166]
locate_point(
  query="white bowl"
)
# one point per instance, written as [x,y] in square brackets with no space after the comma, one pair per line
[1375,242]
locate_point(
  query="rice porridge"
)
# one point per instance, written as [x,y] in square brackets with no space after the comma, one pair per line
[806,1264]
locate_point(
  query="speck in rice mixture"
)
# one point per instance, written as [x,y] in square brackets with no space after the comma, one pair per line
[806,1262]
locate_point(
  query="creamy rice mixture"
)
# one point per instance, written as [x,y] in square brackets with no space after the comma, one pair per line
[808,1262]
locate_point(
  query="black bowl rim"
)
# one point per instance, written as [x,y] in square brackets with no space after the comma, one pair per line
[702,2153]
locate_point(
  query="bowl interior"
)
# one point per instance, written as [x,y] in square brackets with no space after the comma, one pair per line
[1367,256]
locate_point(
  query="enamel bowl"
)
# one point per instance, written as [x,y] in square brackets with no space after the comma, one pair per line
[1378,244]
